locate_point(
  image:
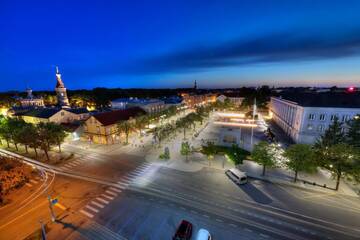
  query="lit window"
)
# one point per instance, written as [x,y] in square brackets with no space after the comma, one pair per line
[322,117]
[310,127]
[311,116]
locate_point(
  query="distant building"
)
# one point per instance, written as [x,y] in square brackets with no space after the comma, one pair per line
[30,100]
[55,115]
[102,127]
[60,90]
[195,100]
[234,98]
[148,105]
[305,116]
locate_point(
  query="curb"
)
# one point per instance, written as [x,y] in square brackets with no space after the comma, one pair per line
[279,182]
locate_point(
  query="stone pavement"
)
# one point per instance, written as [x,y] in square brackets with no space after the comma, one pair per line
[285,177]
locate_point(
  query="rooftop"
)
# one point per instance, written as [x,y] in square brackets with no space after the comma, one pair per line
[142,101]
[109,118]
[324,99]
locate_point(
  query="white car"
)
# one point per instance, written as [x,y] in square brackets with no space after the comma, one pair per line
[203,234]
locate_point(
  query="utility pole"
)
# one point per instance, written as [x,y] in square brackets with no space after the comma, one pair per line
[53,217]
[43,232]
[252,128]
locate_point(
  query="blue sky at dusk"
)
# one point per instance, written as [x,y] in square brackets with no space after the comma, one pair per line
[158,44]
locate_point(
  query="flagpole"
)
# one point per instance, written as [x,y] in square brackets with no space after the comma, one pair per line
[252,128]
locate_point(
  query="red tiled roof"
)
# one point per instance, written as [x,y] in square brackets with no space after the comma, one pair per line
[109,118]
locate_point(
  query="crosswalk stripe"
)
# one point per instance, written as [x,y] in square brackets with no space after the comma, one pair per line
[91,208]
[78,161]
[97,204]
[127,178]
[111,193]
[28,184]
[133,174]
[33,181]
[115,190]
[108,197]
[102,200]
[87,214]
[123,184]
[72,164]
[121,187]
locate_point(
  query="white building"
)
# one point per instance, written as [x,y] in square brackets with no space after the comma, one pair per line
[305,117]
[148,105]
[234,98]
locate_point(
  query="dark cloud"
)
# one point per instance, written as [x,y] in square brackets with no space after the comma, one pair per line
[270,48]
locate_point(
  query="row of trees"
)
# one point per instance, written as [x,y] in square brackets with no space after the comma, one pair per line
[41,136]
[337,150]
[144,120]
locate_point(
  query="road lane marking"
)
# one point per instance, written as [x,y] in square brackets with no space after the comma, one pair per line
[87,214]
[33,181]
[91,208]
[115,190]
[102,200]
[108,197]
[111,193]
[97,204]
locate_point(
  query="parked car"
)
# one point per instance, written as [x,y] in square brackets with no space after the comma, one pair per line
[203,234]
[184,231]
[236,175]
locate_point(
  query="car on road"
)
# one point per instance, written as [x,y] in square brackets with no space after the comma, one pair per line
[203,234]
[184,231]
[236,175]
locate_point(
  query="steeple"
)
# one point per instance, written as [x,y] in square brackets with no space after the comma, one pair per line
[29,93]
[195,86]
[60,90]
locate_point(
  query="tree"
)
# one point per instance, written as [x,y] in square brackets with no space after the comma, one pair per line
[300,158]
[27,135]
[45,137]
[15,126]
[140,122]
[125,127]
[262,155]
[236,154]
[353,133]
[340,159]
[58,134]
[185,149]
[5,131]
[333,135]
[209,150]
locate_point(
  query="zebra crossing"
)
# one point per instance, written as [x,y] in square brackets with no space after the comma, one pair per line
[72,164]
[33,182]
[100,202]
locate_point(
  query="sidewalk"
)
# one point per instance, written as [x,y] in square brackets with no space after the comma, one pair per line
[285,177]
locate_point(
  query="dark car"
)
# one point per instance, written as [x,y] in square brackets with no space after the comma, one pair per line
[184,231]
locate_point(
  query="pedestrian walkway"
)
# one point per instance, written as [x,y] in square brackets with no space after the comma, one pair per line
[321,181]
[97,204]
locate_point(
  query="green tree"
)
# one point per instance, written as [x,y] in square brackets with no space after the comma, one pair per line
[301,159]
[15,126]
[209,150]
[140,122]
[340,159]
[333,135]
[185,149]
[262,155]
[45,137]
[125,127]
[236,154]
[353,133]
[27,135]
[5,131]
[58,134]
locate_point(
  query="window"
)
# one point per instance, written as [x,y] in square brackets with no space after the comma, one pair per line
[332,118]
[62,113]
[310,127]
[98,129]
[345,118]
[311,116]
[320,128]
[322,117]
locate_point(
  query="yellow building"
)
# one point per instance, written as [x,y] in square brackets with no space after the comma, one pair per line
[102,128]
[55,115]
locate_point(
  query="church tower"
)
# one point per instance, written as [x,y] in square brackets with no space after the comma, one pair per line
[60,90]
[195,86]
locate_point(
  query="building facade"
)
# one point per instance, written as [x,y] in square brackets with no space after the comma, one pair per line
[148,105]
[102,128]
[306,122]
[195,100]
[31,100]
[55,115]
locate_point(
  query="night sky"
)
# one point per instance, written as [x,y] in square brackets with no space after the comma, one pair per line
[159,44]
